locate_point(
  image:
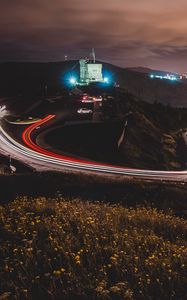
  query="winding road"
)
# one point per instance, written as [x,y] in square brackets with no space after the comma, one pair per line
[41,159]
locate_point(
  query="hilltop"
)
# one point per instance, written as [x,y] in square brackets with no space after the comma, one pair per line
[31,78]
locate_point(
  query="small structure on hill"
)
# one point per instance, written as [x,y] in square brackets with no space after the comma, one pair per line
[6,169]
[90,71]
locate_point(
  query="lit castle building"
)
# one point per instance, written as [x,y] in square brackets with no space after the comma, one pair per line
[90,71]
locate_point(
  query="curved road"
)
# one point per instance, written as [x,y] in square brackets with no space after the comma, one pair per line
[42,159]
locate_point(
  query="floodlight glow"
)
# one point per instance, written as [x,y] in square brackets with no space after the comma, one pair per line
[106,80]
[72,80]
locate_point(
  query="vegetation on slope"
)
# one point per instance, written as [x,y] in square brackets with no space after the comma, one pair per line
[59,249]
[154,136]
[148,146]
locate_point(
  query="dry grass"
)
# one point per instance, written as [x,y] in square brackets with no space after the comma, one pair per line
[59,249]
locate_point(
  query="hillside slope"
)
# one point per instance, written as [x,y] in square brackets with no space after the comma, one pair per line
[153,137]
[147,146]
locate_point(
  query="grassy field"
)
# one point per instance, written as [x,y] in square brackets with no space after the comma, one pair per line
[127,191]
[74,249]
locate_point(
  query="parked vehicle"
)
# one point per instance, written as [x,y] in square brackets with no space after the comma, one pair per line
[84,111]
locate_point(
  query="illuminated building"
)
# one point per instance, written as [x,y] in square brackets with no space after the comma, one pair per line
[90,71]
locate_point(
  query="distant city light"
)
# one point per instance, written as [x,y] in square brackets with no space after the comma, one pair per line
[171,77]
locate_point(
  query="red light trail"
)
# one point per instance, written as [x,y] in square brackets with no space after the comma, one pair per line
[26,136]
[84,164]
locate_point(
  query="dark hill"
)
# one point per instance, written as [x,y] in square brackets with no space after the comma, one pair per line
[153,138]
[31,79]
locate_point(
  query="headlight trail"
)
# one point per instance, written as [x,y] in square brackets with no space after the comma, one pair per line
[37,153]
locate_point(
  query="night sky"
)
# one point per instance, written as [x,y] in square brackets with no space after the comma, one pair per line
[151,33]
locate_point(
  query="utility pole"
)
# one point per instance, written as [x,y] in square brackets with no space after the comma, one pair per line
[123,134]
[45,90]
[93,55]
[10,160]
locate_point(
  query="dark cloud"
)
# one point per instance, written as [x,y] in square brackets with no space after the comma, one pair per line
[128,33]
